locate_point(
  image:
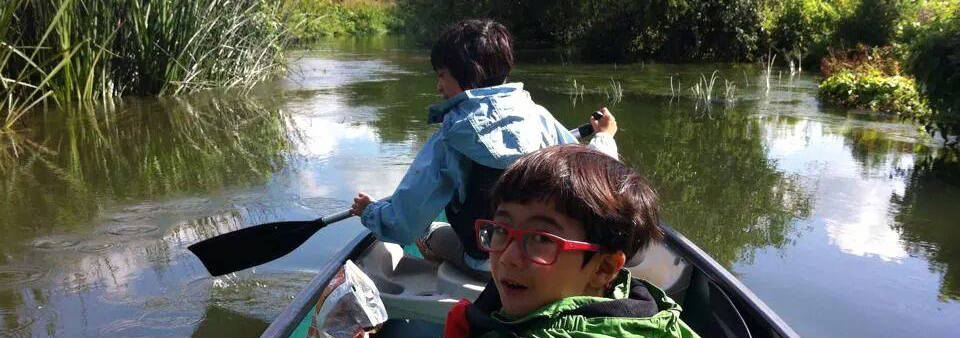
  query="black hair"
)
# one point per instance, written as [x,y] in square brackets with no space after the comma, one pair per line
[476,52]
[616,205]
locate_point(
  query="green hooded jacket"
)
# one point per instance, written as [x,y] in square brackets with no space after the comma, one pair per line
[633,308]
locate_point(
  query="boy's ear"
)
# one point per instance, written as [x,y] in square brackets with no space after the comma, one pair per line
[607,269]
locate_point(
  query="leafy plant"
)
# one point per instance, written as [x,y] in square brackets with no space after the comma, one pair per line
[875,91]
[935,61]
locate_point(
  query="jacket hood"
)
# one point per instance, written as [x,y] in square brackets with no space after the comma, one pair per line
[494,126]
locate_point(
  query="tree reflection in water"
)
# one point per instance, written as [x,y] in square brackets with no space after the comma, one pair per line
[76,160]
[926,217]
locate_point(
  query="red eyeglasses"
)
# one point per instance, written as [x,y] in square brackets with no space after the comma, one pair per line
[538,246]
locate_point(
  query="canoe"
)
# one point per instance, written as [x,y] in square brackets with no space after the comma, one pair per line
[418,293]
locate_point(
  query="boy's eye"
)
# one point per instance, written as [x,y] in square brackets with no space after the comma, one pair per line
[542,239]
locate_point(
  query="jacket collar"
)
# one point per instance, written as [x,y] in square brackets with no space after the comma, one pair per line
[628,298]
[436,111]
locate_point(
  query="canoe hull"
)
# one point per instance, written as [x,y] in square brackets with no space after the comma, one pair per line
[418,293]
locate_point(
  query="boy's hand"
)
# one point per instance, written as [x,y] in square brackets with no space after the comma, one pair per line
[360,203]
[606,124]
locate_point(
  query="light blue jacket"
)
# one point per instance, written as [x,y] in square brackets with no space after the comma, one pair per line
[493,126]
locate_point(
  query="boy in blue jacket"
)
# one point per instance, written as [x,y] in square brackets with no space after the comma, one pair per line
[487,124]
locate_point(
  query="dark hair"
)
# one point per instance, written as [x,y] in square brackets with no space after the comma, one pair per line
[616,205]
[478,53]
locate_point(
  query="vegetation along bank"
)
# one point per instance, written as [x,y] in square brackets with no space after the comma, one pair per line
[893,56]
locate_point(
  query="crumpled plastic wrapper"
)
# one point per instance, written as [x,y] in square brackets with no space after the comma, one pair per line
[350,306]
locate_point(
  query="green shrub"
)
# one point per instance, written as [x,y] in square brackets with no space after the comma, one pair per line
[313,19]
[872,23]
[876,91]
[609,30]
[802,30]
[935,62]
[861,60]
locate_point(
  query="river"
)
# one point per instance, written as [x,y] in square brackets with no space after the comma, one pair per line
[837,219]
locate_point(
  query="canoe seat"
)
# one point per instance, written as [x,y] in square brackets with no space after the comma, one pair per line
[662,267]
[415,288]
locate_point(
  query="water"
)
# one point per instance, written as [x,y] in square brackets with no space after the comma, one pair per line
[829,216]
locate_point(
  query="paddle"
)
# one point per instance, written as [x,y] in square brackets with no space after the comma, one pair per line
[252,246]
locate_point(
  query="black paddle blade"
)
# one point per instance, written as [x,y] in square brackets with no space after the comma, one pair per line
[249,247]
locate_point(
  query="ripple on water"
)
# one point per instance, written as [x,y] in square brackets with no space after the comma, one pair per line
[11,276]
[16,324]
[131,230]
[97,247]
[53,243]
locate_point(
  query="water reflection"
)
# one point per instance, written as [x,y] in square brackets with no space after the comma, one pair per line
[718,185]
[142,149]
[925,217]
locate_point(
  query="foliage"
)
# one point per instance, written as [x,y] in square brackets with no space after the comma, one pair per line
[875,91]
[312,19]
[872,23]
[73,50]
[861,59]
[935,62]
[802,28]
[609,30]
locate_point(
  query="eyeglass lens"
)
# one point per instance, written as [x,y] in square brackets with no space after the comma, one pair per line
[537,247]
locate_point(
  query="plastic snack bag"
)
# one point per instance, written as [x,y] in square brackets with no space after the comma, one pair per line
[350,306]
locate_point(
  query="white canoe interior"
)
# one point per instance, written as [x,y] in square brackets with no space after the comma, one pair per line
[415,288]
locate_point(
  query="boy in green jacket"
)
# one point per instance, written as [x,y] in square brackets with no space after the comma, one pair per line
[567,217]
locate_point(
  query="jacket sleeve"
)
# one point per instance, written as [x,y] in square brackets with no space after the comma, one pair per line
[605,143]
[425,189]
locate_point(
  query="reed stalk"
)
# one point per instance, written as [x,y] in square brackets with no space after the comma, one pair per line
[72,51]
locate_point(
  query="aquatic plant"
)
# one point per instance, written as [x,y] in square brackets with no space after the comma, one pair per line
[73,51]
[770,59]
[613,93]
[729,92]
[703,89]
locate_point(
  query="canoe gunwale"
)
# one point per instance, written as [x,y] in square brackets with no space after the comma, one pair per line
[287,321]
[285,324]
[727,282]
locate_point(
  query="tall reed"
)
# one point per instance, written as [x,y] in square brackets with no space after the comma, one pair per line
[87,50]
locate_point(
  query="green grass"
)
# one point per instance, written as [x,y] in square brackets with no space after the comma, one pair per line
[70,51]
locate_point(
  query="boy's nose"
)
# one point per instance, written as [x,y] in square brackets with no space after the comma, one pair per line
[513,254]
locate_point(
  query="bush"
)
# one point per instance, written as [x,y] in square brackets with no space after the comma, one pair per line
[609,30]
[873,23]
[861,60]
[935,61]
[313,19]
[871,89]
[802,30]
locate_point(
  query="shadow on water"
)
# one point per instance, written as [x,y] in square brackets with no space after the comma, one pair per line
[710,168]
[717,184]
[219,322]
[78,160]
[925,216]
